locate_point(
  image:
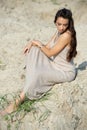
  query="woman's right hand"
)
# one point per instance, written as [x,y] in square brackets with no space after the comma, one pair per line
[27,48]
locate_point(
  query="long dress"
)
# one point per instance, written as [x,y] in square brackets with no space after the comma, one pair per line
[43,72]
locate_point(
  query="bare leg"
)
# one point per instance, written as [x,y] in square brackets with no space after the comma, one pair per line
[14,105]
[21,99]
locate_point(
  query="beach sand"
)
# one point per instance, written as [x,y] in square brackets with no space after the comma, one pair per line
[21,21]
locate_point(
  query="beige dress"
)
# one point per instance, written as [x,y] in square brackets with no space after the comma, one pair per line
[43,72]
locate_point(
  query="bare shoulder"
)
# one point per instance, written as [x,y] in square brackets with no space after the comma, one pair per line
[66,35]
[65,38]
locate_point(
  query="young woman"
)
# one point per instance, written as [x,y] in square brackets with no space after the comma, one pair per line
[51,63]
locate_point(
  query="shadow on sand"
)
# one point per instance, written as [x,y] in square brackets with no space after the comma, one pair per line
[82,66]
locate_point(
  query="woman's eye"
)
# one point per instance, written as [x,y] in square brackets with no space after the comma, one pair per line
[58,24]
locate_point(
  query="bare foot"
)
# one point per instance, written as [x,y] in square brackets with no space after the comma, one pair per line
[11,108]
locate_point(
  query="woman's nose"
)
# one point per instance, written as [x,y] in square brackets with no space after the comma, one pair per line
[62,27]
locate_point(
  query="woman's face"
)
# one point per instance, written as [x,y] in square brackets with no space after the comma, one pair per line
[62,24]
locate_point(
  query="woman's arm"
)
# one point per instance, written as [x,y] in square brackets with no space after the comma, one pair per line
[62,41]
[33,43]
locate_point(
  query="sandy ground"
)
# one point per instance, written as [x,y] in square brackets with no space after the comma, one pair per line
[21,21]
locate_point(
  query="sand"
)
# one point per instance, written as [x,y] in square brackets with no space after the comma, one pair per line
[21,21]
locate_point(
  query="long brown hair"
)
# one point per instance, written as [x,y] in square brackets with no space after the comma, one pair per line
[67,14]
